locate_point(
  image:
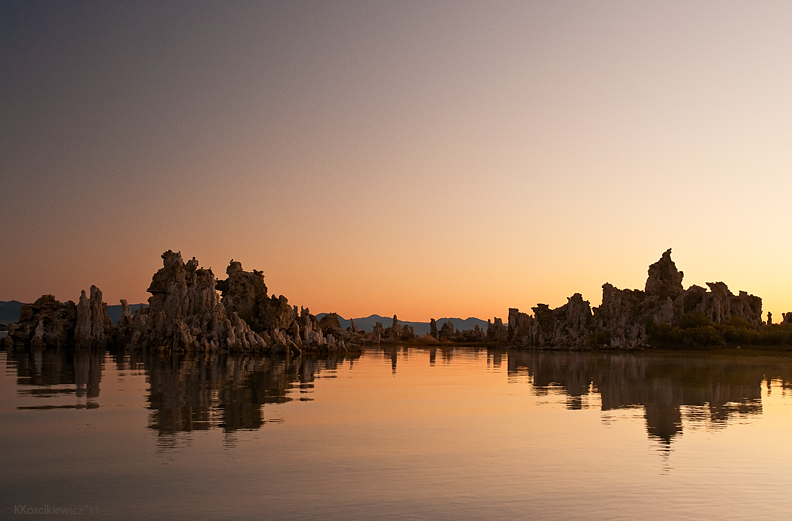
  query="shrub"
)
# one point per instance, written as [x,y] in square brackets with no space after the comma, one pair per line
[691,320]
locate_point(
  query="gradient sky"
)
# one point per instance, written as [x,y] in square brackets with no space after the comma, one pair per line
[420,158]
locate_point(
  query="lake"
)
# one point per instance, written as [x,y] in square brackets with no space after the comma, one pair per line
[395,433]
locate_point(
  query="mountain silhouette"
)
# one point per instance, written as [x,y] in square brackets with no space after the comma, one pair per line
[421,328]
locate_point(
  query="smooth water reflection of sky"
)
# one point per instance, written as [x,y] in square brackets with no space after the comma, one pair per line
[400,432]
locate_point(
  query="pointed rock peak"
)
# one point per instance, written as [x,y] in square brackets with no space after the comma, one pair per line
[664,279]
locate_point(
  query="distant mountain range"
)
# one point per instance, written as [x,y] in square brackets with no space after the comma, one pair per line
[9,311]
[421,328]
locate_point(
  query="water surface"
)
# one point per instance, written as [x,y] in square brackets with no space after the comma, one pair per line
[399,433]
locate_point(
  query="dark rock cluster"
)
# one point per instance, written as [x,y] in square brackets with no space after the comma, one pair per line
[186,313]
[190,310]
[447,333]
[46,322]
[624,318]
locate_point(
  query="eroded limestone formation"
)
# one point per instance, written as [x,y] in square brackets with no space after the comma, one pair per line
[185,313]
[664,279]
[93,328]
[46,322]
[190,310]
[625,316]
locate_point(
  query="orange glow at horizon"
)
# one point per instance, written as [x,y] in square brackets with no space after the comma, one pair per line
[424,160]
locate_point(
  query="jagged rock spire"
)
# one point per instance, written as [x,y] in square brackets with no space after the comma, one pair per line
[664,279]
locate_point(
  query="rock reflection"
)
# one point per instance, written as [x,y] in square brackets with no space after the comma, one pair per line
[198,392]
[708,389]
[229,392]
[47,369]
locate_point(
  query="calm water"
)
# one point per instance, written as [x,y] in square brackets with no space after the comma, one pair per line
[399,433]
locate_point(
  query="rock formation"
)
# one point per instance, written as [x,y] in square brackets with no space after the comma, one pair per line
[664,279]
[568,325]
[397,333]
[185,313]
[496,331]
[446,331]
[245,293]
[93,328]
[519,327]
[624,317]
[44,323]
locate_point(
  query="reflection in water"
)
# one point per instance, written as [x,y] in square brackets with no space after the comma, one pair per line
[200,391]
[710,389]
[47,369]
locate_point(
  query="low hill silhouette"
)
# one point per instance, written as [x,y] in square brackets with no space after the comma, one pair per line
[421,328]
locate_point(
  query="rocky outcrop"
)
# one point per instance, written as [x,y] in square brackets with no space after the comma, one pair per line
[330,325]
[446,331]
[664,279]
[397,332]
[519,327]
[475,335]
[330,322]
[377,333]
[352,327]
[185,313]
[245,293]
[625,316]
[568,325]
[46,322]
[128,324]
[620,316]
[496,331]
[93,328]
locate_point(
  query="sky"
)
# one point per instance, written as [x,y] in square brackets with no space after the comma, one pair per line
[423,159]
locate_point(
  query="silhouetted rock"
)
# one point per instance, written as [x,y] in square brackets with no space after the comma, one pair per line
[185,312]
[329,321]
[664,279]
[93,327]
[496,331]
[46,322]
[625,316]
[245,293]
[376,333]
[446,331]
[519,328]
[566,326]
